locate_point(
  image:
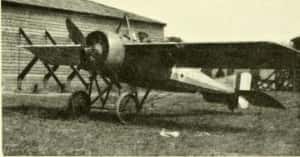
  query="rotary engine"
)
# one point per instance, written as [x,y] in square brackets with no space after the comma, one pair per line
[104,50]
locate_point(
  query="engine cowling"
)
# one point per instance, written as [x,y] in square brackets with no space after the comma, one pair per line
[104,49]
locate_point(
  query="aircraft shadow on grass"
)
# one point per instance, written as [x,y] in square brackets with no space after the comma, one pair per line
[153,120]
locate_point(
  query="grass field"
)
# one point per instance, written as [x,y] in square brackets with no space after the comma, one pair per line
[37,125]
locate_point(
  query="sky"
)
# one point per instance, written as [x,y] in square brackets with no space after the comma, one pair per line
[220,20]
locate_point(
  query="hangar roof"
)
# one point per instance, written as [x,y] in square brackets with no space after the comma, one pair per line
[84,6]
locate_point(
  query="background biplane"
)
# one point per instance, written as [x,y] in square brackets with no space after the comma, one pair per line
[163,66]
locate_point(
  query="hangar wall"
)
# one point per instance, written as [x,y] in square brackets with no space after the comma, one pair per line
[35,20]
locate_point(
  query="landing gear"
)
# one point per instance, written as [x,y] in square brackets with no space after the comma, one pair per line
[79,103]
[233,102]
[126,106]
[129,104]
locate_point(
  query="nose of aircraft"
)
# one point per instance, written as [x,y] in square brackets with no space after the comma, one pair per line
[94,53]
[98,48]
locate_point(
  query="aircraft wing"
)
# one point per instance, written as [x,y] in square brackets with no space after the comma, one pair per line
[267,55]
[57,54]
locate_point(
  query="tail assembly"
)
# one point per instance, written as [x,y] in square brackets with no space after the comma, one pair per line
[244,95]
[243,83]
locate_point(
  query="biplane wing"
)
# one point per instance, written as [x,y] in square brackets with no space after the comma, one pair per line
[261,55]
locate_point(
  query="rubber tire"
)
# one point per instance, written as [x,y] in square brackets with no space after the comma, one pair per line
[119,106]
[79,103]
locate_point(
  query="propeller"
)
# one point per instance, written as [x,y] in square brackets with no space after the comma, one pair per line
[87,56]
[74,33]
[95,50]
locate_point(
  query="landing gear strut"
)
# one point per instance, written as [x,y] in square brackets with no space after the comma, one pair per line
[127,105]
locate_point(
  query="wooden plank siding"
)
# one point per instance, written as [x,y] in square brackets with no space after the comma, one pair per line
[34,21]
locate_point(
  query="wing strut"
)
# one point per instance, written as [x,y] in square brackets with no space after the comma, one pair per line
[27,69]
[77,37]
[50,69]
[74,73]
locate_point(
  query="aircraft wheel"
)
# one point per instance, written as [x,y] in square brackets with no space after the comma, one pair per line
[79,103]
[232,103]
[126,107]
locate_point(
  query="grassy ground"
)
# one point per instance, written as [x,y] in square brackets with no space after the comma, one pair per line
[36,125]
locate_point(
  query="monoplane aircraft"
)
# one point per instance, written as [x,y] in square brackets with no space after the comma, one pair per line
[166,66]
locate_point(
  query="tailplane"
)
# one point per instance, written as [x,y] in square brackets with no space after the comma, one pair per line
[261,99]
[245,96]
[242,95]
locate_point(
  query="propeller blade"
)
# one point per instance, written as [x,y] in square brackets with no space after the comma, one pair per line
[74,33]
[257,98]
